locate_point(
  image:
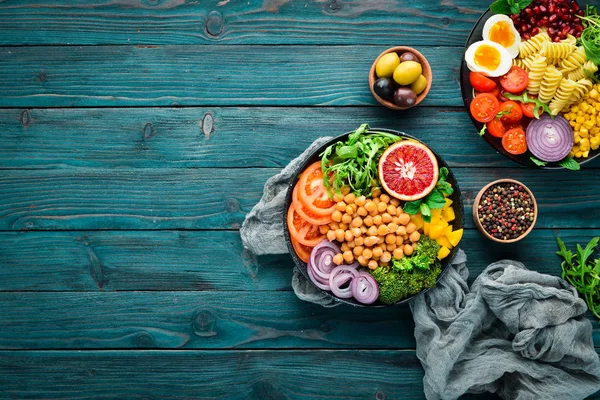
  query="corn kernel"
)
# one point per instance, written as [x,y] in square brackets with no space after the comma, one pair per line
[586,154]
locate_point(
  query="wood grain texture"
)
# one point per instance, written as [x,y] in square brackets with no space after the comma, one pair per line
[72,76]
[167,198]
[215,137]
[205,260]
[353,22]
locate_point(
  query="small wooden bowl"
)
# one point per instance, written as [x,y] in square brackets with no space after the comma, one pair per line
[476,206]
[426,73]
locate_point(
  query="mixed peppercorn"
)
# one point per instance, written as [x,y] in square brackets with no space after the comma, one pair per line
[506,211]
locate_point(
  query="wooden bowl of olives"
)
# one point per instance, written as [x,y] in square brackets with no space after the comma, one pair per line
[400,78]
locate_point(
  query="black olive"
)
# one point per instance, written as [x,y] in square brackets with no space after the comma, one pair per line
[408,56]
[405,97]
[384,88]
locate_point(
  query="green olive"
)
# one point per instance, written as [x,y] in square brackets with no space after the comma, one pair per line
[419,85]
[386,65]
[407,72]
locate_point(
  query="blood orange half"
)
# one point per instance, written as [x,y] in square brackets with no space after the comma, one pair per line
[408,170]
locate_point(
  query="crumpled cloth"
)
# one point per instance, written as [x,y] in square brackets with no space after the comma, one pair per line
[516,332]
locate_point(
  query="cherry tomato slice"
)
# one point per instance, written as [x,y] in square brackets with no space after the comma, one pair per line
[312,192]
[302,231]
[515,81]
[484,107]
[495,92]
[306,214]
[481,83]
[514,141]
[303,252]
[496,128]
[528,108]
[512,112]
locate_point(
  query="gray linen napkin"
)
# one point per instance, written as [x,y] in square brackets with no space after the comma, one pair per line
[518,333]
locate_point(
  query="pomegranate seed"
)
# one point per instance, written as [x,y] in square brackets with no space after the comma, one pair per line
[526,36]
[524,28]
[535,31]
[543,9]
[553,18]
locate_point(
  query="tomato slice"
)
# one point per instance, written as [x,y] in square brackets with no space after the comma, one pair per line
[303,252]
[515,81]
[496,128]
[495,92]
[512,112]
[481,83]
[312,192]
[302,231]
[306,214]
[528,108]
[514,141]
[484,107]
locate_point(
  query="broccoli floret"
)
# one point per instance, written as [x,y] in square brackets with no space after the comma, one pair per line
[419,279]
[427,247]
[392,288]
[424,256]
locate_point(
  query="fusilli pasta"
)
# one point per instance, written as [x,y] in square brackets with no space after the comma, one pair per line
[582,87]
[555,52]
[537,69]
[563,96]
[550,83]
[574,61]
[533,45]
[588,68]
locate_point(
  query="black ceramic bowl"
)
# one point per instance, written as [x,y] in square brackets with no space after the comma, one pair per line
[456,224]
[467,93]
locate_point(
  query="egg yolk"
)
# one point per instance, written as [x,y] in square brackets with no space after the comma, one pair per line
[502,33]
[487,57]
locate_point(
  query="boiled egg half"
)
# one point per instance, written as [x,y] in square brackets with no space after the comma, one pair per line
[488,58]
[500,29]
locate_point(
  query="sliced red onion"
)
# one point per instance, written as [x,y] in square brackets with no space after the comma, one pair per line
[364,288]
[340,276]
[550,139]
[321,258]
[324,285]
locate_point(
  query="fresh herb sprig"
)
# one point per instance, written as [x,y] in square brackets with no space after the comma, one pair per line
[569,163]
[537,162]
[509,6]
[590,36]
[354,162]
[434,200]
[582,273]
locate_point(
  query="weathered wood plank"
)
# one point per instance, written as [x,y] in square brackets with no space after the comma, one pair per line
[211,320]
[237,21]
[92,198]
[206,261]
[174,137]
[68,76]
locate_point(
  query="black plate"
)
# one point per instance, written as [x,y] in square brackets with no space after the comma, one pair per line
[467,93]
[456,224]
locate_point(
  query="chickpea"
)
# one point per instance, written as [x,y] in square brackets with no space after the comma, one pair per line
[349,210]
[362,261]
[377,220]
[377,252]
[376,200]
[363,229]
[357,250]
[404,218]
[383,246]
[348,256]
[354,207]
[340,206]
[346,218]
[344,247]
[356,232]
[376,193]
[372,231]
[333,225]
[374,213]
[368,221]
[343,226]
[385,198]
[323,229]
[392,227]
[336,216]
[362,211]
[370,206]
[391,210]
[398,254]
[395,202]
[399,240]
[338,259]
[415,236]
[360,201]
[331,236]
[386,218]
[351,244]
[337,198]
[396,220]
[345,190]
[359,241]
[373,264]
[386,257]
[382,230]
[367,254]
[381,207]
[349,198]
[390,238]
[356,222]
[380,239]
[408,249]
[339,235]
[371,241]
[401,230]
[410,228]
[391,247]
[348,236]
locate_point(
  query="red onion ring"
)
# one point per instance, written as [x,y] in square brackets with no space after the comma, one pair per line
[550,139]
[324,285]
[321,258]
[364,288]
[340,276]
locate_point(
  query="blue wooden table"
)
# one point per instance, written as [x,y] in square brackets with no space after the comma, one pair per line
[134,137]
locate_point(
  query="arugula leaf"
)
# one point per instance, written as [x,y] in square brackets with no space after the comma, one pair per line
[570,164]
[435,200]
[500,7]
[537,162]
[584,254]
[482,131]
[412,207]
[524,98]
[504,112]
